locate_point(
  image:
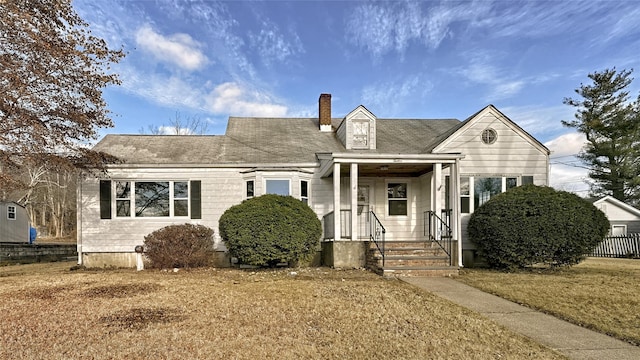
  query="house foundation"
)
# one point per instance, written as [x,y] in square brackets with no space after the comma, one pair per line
[221,259]
[344,254]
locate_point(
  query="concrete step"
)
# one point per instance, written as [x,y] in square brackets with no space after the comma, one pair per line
[410,252]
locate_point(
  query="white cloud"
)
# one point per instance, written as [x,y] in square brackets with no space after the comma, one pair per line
[540,121]
[566,171]
[273,46]
[171,130]
[389,96]
[500,84]
[231,98]
[566,144]
[569,178]
[385,27]
[179,49]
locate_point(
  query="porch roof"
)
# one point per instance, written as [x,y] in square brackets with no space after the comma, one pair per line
[388,165]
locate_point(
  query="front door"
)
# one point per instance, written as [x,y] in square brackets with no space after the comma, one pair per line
[364,193]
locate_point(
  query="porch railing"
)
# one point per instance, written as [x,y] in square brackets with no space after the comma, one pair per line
[377,233]
[438,229]
[345,228]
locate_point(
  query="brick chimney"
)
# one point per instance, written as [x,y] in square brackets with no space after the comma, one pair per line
[324,112]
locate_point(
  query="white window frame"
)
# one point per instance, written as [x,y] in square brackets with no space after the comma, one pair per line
[620,226]
[246,188]
[356,142]
[173,199]
[267,179]
[305,198]
[472,180]
[406,199]
[129,199]
[132,199]
[12,209]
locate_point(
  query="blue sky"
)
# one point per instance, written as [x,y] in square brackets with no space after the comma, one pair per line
[425,59]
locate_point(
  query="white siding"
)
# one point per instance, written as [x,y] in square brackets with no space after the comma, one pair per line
[514,154]
[511,154]
[220,189]
[617,213]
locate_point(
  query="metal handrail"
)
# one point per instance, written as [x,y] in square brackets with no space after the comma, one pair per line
[438,230]
[377,233]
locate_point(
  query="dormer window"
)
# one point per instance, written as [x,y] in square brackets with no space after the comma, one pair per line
[358,130]
[360,134]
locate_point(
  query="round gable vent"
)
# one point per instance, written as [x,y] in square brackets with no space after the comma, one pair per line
[489,136]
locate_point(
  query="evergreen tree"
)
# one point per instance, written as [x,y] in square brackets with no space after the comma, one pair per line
[611,123]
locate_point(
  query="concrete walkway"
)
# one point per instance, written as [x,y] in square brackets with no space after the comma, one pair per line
[571,340]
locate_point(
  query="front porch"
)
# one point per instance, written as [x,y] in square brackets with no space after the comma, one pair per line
[432,254]
[391,216]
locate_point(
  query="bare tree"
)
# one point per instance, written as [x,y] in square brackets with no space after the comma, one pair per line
[52,72]
[189,125]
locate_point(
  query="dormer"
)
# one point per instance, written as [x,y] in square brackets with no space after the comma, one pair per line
[358,130]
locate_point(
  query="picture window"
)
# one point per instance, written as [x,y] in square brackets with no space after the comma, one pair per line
[278,187]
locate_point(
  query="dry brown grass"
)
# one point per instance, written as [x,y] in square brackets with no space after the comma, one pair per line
[601,294]
[49,312]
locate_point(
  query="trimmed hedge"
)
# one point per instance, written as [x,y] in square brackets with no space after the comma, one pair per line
[536,224]
[270,229]
[180,246]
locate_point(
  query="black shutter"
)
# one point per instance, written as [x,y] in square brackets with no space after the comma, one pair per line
[105,199]
[196,204]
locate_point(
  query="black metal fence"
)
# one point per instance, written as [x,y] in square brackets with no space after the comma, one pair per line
[619,246]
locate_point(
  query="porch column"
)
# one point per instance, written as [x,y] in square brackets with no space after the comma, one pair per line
[454,200]
[436,189]
[336,202]
[354,202]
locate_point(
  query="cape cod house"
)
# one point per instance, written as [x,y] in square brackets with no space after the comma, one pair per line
[393,194]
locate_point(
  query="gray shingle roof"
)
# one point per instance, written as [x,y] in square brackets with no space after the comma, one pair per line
[271,141]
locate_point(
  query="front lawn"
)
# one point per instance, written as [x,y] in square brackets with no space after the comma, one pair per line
[49,312]
[599,293]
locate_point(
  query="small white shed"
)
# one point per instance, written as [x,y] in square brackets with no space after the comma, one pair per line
[14,222]
[624,218]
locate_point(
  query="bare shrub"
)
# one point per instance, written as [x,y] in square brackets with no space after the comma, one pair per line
[180,246]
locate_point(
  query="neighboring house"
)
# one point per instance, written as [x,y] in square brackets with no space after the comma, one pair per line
[400,174]
[14,222]
[624,218]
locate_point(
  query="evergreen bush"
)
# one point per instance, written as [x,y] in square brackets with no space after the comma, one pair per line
[536,225]
[270,229]
[180,246]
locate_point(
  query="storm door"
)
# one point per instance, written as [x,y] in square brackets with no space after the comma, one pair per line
[364,193]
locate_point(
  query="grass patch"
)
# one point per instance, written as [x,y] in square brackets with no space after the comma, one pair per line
[232,314]
[600,293]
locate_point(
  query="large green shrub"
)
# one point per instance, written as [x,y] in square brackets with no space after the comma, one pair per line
[270,229]
[535,224]
[178,246]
